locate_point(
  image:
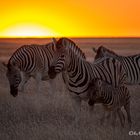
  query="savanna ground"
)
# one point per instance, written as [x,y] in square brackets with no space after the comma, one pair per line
[49,116]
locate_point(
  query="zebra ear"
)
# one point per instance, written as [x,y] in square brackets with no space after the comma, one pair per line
[14,64]
[99,83]
[54,42]
[4,64]
[102,49]
[94,49]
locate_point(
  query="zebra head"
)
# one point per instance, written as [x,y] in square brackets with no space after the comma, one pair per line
[104,52]
[59,60]
[95,92]
[64,51]
[99,52]
[14,78]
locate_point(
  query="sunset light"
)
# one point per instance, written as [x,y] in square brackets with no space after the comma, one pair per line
[28,30]
[73,18]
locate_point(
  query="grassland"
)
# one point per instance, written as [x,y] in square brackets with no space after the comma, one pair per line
[50,116]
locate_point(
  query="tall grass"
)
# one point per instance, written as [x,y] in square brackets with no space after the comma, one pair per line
[49,116]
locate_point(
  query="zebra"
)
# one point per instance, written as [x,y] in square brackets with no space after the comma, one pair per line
[26,62]
[32,61]
[112,99]
[80,72]
[131,64]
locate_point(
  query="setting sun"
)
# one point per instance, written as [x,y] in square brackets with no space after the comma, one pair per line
[28,30]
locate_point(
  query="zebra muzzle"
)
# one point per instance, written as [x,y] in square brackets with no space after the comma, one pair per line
[51,72]
[13,91]
[91,102]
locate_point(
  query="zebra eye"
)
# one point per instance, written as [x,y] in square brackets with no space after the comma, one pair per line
[99,82]
[15,76]
[62,56]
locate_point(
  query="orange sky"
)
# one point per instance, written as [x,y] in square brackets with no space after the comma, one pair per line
[71,18]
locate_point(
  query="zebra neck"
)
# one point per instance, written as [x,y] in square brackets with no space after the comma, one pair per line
[77,68]
[78,75]
[106,94]
[15,62]
[119,58]
[73,67]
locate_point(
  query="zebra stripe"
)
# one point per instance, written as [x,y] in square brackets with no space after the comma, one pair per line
[29,61]
[32,61]
[131,64]
[80,72]
[113,99]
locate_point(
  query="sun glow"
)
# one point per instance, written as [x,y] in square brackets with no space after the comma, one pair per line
[28,30]
[70,18]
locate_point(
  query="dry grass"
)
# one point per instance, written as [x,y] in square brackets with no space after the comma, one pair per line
[49,116]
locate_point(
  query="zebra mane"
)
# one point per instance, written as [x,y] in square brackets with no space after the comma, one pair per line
[102,50]
[49,44]
[11,63]
[71,45]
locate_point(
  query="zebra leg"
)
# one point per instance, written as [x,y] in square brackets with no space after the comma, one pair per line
[52,86]
[102,119]
[38,82]
[25,77]
[76,103]
[90,111]
[106,115]
[121,117]
[127,109]
[113,118]
[65,79]
[51,83]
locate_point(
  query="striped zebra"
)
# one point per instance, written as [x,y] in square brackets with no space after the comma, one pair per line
[131,64]
[32,61]
[112,99]
[80,72]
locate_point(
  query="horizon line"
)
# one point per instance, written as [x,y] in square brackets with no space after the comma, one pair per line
[92,37]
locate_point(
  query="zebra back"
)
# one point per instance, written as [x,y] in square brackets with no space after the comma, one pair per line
[29,57]
[102,92]
[109,70]
[104,52]
[80,72]
[131,64]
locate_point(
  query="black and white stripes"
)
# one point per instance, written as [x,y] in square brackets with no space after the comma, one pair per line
[44,62]
[80,72]
[32,61]
[29,61]
[113,99]
[131,64]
